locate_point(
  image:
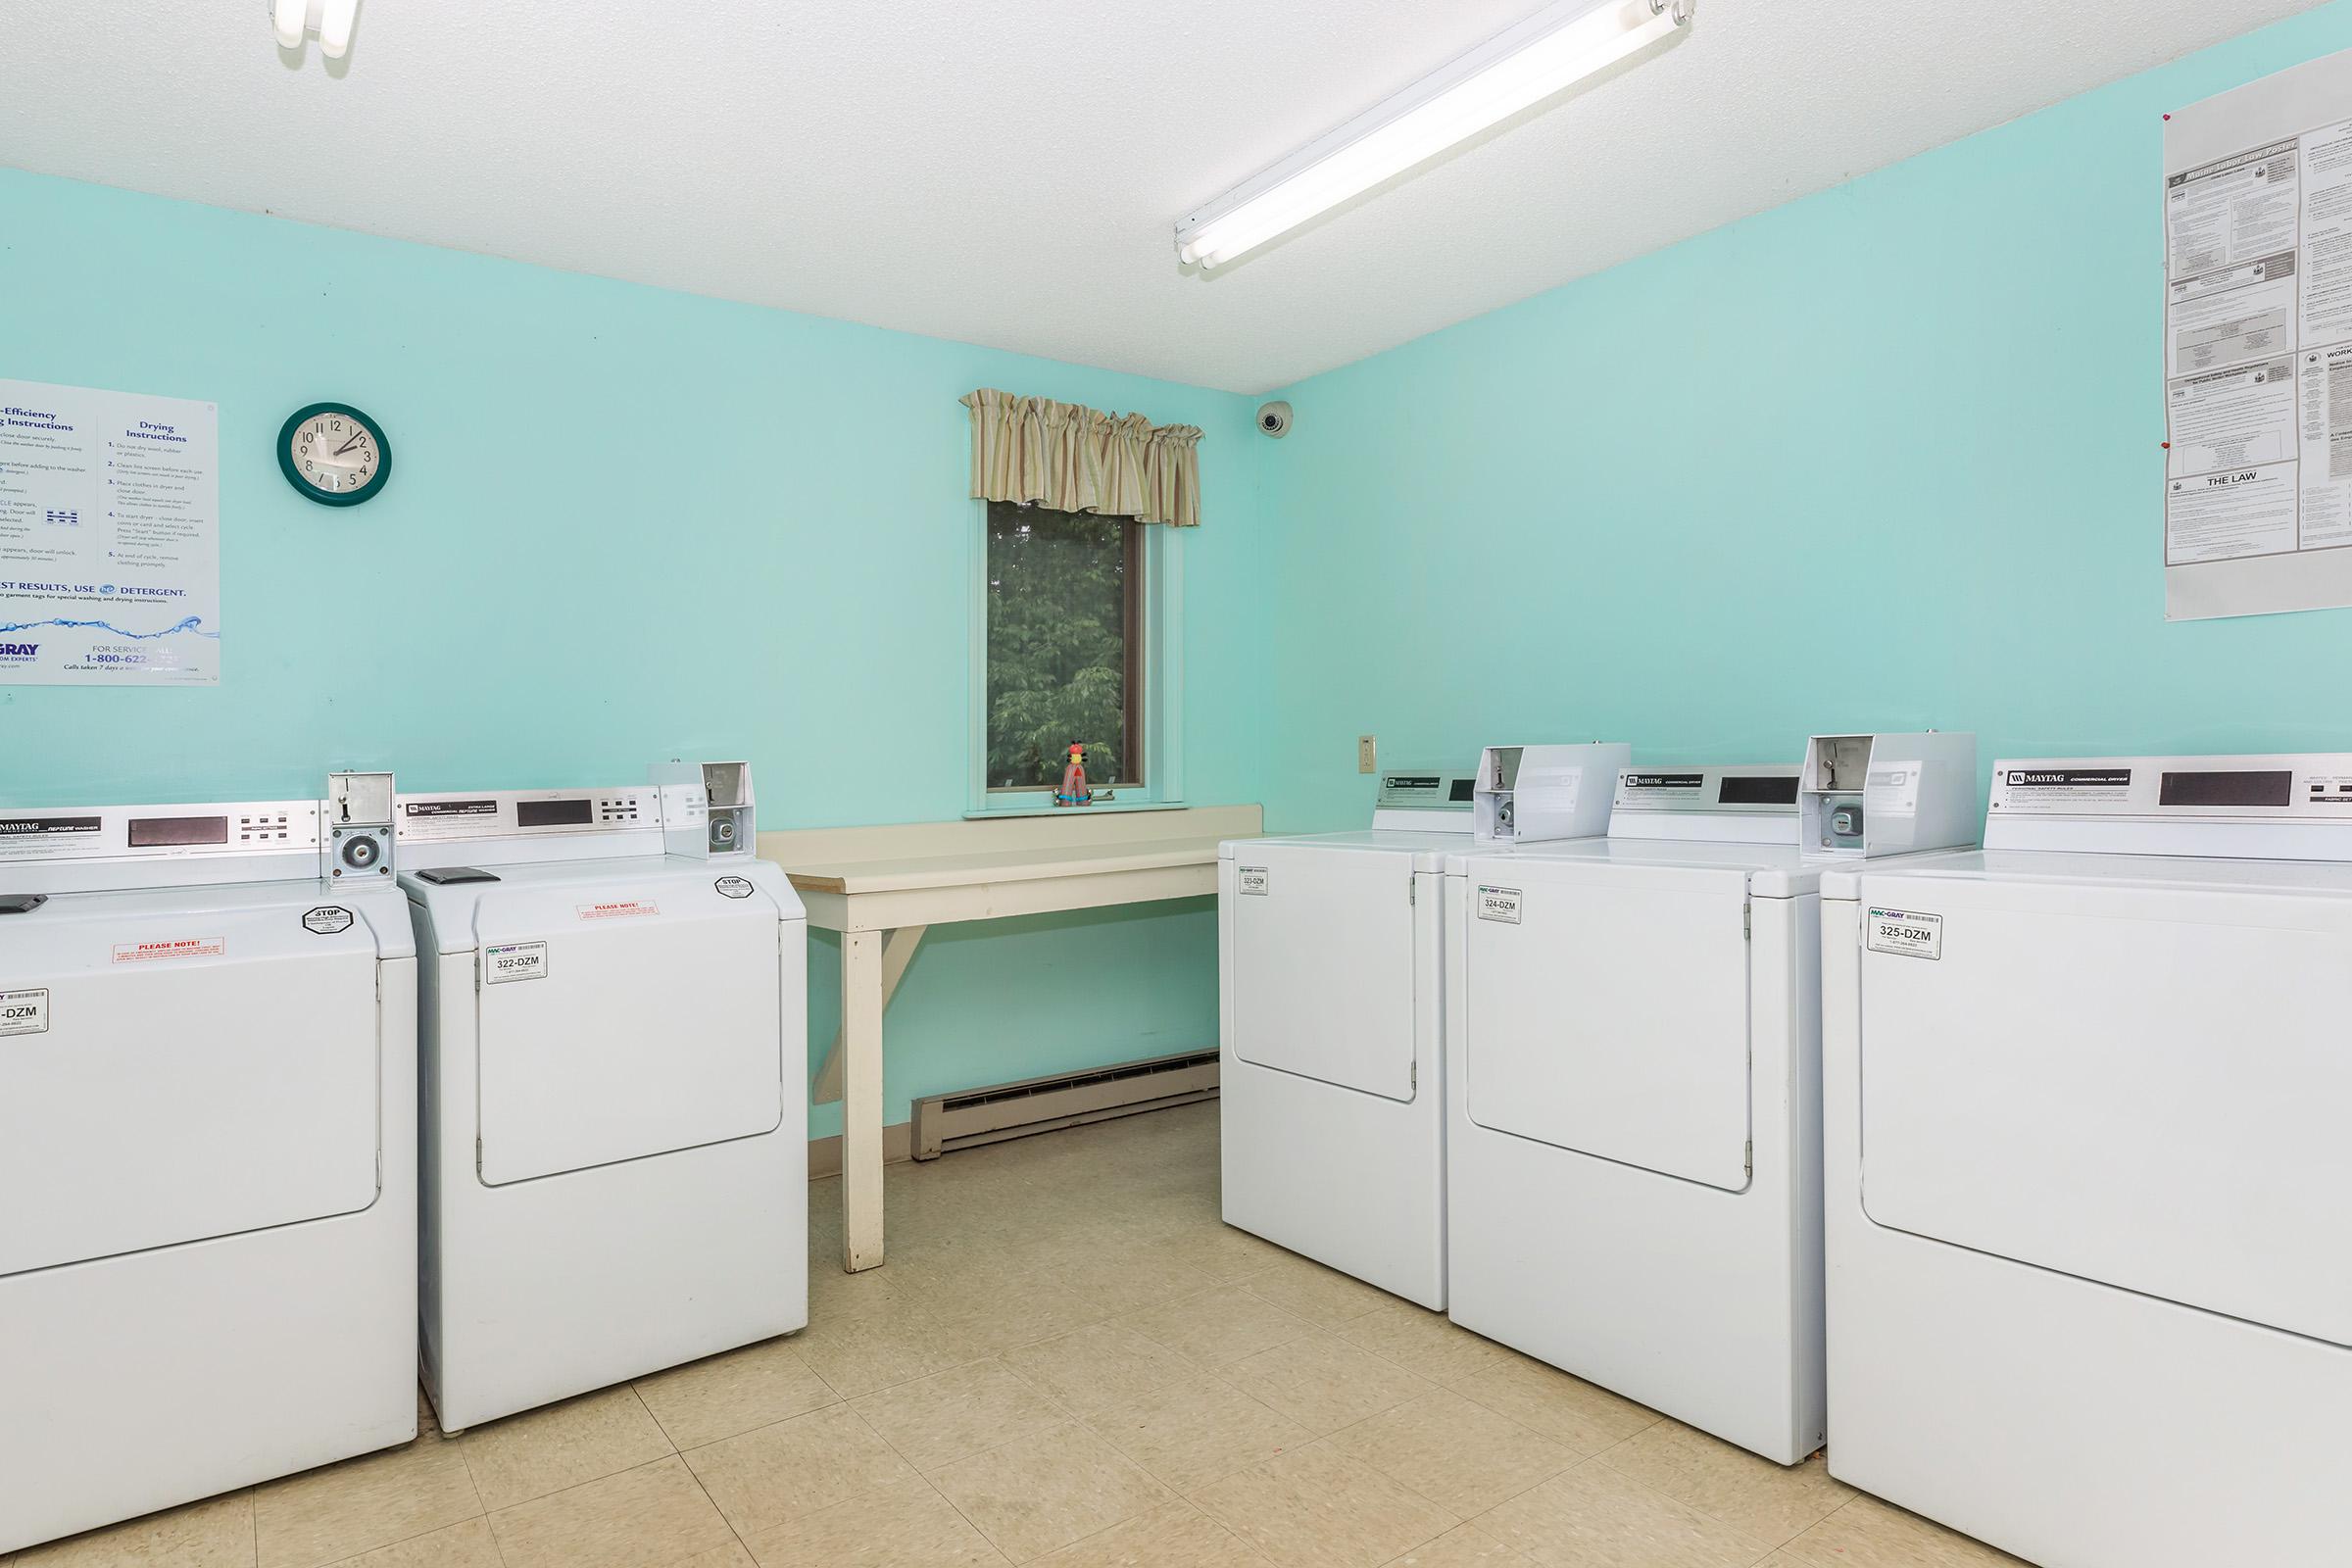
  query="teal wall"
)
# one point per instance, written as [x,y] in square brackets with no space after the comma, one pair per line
[1885,457]
[623,524]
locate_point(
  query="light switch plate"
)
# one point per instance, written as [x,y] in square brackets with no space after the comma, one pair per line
[1367,753]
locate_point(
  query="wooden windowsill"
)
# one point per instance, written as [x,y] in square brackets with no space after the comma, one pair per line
[1103,809]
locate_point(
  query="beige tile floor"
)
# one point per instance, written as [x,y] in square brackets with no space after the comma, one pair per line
[1069,1362]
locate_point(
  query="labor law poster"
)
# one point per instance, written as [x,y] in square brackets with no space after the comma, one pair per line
[2258,347]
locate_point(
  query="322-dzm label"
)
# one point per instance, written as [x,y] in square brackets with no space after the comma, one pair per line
[514,961]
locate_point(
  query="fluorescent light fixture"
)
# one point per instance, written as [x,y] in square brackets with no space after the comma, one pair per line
[330,20]
[1560,44]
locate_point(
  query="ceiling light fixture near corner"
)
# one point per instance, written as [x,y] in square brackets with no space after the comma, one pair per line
[331,20]
[1561,44]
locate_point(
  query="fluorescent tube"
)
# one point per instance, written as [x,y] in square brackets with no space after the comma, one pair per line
[1558,45]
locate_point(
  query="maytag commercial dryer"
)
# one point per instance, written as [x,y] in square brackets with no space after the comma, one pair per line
[616,1151]
[1331,1083]
[2088,1170]
[208,1151]
[1632,1146]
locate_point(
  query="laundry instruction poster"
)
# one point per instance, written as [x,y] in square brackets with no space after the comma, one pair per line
[110,538]
[2258,347]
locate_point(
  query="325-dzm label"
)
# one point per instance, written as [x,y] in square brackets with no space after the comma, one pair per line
[1906,933]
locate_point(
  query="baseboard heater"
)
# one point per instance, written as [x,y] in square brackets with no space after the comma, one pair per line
[991,1115]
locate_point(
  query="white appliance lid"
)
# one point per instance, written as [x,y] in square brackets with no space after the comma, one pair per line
[1428,848]
[1773,870]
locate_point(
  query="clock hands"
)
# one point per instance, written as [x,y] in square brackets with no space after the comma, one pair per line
[332,454]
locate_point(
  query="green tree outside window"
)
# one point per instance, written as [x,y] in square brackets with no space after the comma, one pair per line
[1063,597]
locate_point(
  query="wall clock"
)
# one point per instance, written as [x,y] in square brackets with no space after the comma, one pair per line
[333,454]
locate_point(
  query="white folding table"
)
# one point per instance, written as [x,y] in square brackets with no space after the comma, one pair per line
[882,887]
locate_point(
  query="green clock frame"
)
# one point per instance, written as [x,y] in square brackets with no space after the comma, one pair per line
[309,491]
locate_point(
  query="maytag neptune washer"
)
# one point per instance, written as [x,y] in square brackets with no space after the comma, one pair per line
[207,1140]
[1633,1046]
[613,1033]
[2086,1094]
[1331,1074]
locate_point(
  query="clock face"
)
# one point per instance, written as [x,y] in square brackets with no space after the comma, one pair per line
[333,454]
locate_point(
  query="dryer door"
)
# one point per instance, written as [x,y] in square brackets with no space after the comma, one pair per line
[1324,958]
[1606,1013]
[180,1074]
[623,1018]
[2147,1087]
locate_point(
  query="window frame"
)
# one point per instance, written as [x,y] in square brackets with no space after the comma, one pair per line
[1155,666]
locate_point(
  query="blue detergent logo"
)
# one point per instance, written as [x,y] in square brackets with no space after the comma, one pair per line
[193,625]
[18,649]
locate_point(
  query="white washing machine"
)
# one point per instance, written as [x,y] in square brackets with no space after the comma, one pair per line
[1332,1072]
[614,1126]
[1632,1144]
[2086,1093]
[208,1146]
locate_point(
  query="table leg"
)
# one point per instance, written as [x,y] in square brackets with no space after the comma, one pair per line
[860,1058]
[898,951]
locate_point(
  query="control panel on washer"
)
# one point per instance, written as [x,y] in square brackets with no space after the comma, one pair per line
[1743,788]
[161,832]
[2312,786]
[2269,806]
[510,827]
[438,819]
[85,847]
[1427,790]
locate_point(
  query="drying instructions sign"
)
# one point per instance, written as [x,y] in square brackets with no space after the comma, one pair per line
[110,538]
[2258,347]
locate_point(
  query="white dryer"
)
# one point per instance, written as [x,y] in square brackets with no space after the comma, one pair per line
[1332,1072]
[1632,1146]
[2087,1091]
[615,1125]
[208,1145]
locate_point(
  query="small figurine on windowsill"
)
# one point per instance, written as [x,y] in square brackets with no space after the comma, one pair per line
[1073,791]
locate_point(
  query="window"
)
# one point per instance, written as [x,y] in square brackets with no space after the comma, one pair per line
[1066,639]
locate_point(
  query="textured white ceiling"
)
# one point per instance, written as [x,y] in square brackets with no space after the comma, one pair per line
[1008,174]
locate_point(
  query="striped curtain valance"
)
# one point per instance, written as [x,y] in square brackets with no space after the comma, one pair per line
[1076,459]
